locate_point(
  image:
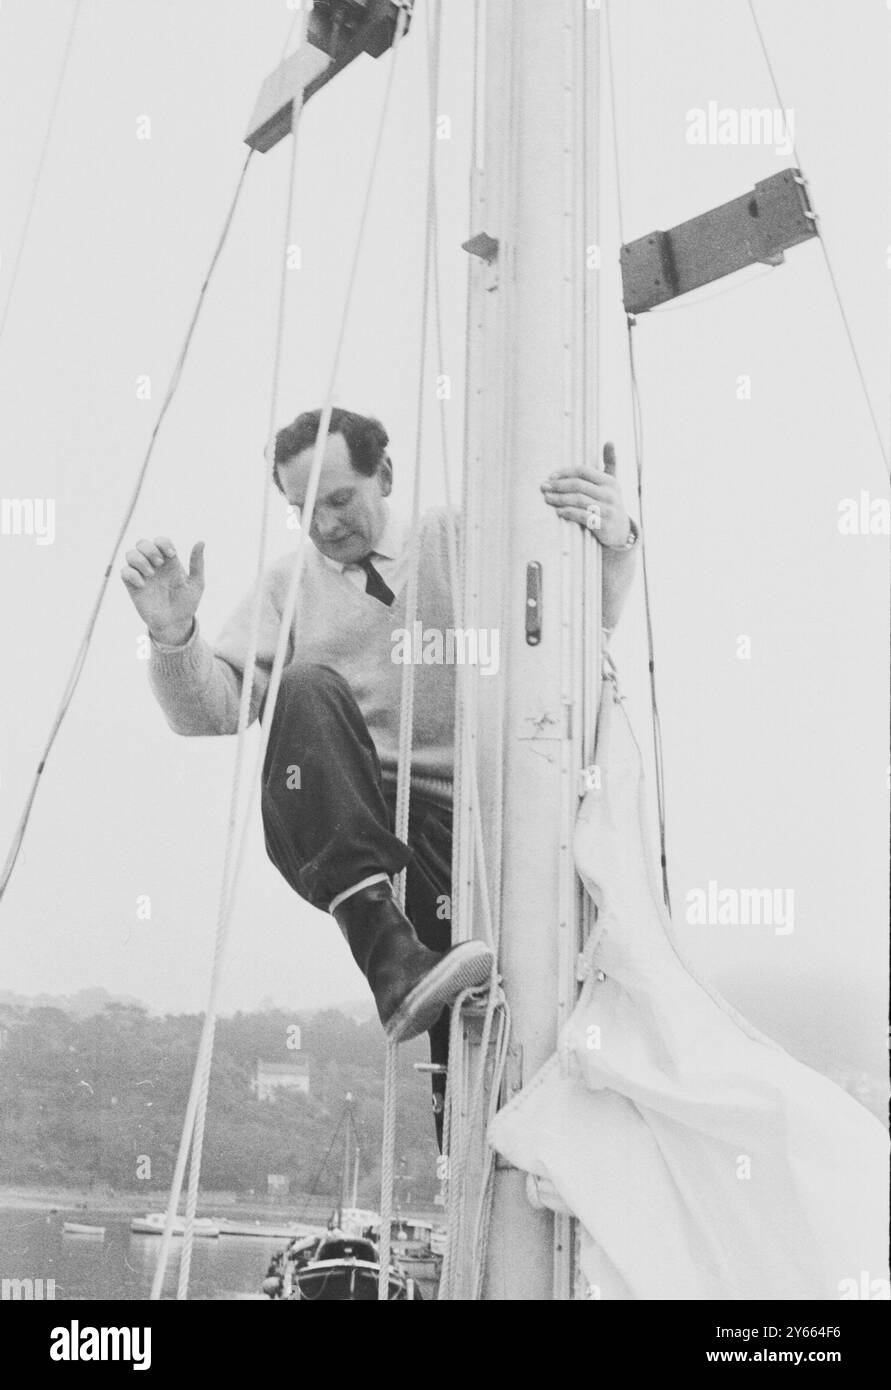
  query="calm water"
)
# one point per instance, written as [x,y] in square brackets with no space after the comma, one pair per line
[32,1246]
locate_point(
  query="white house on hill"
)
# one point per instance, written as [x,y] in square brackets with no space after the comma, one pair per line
[277,1076]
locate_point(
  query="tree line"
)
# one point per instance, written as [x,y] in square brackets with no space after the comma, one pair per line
[99,1101]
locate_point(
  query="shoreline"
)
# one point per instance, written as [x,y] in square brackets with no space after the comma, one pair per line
[76,1199]
[81,1201]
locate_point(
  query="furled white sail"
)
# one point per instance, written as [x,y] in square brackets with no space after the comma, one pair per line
[702,1160]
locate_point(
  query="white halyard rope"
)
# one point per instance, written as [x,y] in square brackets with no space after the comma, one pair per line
[243,710]
[407,692]
[201,1075]
[461,1117]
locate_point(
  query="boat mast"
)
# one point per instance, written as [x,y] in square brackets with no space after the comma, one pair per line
[348,1131]
[354,1202]
[531,403]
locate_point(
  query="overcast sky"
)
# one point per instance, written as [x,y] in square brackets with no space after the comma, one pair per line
[776,766]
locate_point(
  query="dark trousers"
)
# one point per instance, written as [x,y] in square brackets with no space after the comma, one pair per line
[328,821]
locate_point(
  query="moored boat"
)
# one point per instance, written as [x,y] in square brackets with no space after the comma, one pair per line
[153,1225]
[412,1249]
[334,1268]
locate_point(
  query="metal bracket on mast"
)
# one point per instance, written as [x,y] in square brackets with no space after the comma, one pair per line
[485,247]
[758,227]
[337,32]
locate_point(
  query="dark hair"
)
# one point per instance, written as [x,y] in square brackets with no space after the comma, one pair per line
[366,439]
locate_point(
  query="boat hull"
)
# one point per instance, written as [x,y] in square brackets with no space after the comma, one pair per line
[153,1225]
[348,1281]
[419,1266]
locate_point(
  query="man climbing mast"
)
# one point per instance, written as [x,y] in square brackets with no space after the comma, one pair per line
[329,779]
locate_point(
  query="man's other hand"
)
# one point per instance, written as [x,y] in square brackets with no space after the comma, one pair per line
[593,498]
[164,595]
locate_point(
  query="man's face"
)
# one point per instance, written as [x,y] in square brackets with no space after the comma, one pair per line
[350,512]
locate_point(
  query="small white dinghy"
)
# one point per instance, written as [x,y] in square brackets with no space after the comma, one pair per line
[153,1225]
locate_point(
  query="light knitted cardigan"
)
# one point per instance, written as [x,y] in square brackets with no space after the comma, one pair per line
[338,625]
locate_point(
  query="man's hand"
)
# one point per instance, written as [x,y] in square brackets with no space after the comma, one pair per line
[592,497]
[163,594]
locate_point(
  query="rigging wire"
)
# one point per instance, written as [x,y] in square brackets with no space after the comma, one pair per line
[301,18]
[637,422]
[388,1171]
[247,685]
[694,302]
[83,649]
[637,418]
[35,186]
[822,240]
[457,1141]
[321,1168]
[491,924]
[200,1078]
[80,658]
[636,400]
[407,685]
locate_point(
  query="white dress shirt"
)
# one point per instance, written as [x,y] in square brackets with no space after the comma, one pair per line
[388,557]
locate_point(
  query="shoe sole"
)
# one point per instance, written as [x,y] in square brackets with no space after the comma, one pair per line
[466,966]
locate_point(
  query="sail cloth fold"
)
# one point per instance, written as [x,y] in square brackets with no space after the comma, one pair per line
[701,1159]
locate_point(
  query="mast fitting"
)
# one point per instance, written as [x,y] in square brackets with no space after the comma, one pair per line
[337,32]
[755,228]
[486,248]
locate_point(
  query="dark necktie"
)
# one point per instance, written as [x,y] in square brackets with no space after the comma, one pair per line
[374,583]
